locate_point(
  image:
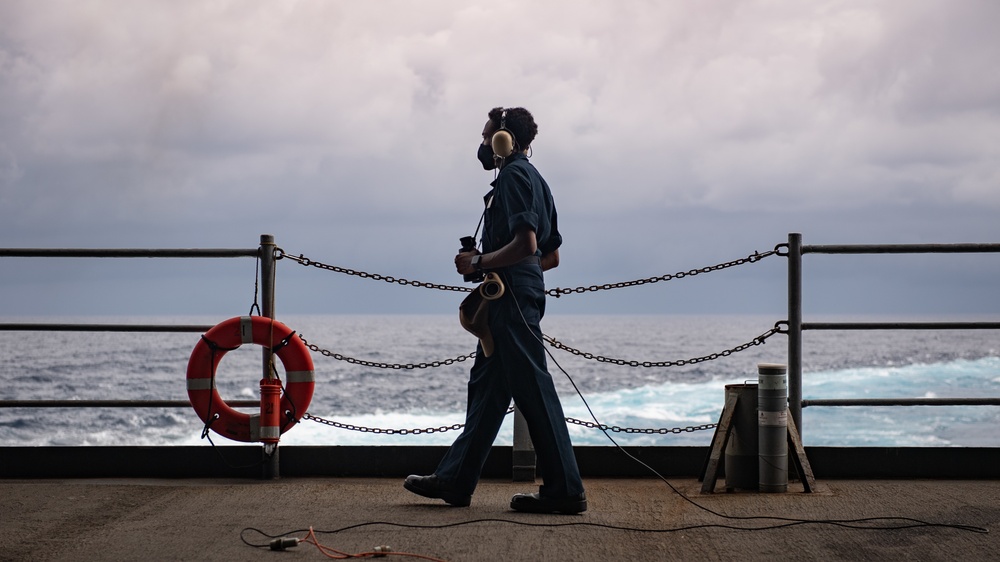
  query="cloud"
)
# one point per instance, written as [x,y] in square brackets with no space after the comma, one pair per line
[354,124]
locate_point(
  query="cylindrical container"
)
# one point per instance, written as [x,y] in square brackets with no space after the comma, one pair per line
[270,410]
[741,451]
[772,427]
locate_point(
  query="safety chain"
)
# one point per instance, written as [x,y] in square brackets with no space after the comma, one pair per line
[752,258]
[365,275]
[648,431]
[390,431]
[557,292]
[397,366]
[759,340]
[457,426]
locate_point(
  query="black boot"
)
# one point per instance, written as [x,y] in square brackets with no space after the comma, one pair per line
[537,503]
[432,487]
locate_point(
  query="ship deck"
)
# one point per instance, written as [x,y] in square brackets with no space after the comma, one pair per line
[202,519]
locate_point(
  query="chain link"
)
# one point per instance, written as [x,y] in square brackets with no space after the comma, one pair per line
[557,292]
[457,426]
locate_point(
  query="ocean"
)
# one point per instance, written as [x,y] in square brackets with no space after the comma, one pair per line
[838,364]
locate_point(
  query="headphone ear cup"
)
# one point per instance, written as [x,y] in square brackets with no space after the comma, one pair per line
[502,143]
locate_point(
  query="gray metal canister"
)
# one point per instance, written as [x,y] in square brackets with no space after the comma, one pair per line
[741,450]
[772,427]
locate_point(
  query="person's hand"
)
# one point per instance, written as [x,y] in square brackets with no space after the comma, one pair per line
[463,262]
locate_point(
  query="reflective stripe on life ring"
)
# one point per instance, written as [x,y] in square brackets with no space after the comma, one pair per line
[229,335]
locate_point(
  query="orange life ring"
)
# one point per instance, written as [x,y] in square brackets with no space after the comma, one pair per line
[229,335]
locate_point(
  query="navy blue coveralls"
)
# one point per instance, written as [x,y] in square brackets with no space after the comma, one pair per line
[517,369]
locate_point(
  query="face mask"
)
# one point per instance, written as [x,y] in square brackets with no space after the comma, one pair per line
[485,156]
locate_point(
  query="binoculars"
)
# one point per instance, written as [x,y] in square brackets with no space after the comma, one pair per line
[469,244]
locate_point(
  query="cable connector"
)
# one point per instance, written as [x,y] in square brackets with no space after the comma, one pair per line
[381,551]
[284,543]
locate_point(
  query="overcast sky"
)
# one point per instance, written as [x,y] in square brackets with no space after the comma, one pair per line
[675,135]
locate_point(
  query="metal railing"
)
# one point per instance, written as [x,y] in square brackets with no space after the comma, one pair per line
[796,326]
[265,253]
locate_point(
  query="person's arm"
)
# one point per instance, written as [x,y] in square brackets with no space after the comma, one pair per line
[523,245]
[550,260]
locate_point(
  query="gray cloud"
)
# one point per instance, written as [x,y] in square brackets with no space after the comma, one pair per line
[673,134]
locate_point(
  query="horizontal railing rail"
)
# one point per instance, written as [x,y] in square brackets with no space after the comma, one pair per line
[129,252]
[901,325]
[116,403]
[69,327]
[900,248]
[902,402]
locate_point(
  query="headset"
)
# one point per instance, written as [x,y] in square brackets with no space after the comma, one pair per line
[503,141]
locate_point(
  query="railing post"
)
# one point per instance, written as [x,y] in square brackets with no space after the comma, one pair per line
[269,452]
[523,452]
[795,329]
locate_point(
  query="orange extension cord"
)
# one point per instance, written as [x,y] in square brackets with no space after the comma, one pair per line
[338,555]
